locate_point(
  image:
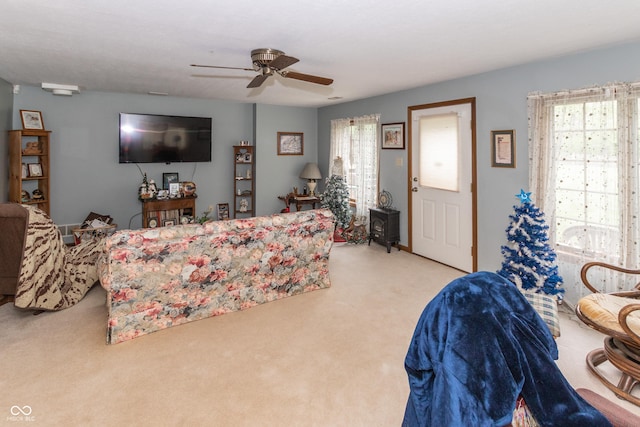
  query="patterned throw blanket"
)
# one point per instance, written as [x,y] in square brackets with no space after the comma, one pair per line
[52,275]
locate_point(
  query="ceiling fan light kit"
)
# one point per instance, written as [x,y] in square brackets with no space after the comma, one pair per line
[266,61]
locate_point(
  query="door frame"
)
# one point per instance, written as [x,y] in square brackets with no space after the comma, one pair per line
[474,185]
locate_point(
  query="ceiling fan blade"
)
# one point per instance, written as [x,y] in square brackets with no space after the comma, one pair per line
[226,68]
[282,62]
[257,80]
[307,78]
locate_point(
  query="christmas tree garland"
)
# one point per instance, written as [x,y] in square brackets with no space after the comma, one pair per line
[529,261]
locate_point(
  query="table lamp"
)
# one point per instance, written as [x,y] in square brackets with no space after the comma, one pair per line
[311,172]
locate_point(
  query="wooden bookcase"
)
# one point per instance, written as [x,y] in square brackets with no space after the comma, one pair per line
[244,185]
[166,212]
[29,167]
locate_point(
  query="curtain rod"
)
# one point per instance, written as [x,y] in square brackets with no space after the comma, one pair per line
[584,91]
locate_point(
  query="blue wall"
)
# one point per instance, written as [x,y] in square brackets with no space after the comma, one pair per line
[278,174]
[501,103]
[86,175]
[6,108]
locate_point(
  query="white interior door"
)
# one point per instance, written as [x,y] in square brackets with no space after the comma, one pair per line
[441,184]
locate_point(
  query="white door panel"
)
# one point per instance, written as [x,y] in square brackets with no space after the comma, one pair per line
[442,200]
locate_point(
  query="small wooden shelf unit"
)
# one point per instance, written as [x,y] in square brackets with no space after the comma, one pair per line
[36,152]
[244,187]
[167,212]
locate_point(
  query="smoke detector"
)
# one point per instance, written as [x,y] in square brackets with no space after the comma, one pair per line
[56,89]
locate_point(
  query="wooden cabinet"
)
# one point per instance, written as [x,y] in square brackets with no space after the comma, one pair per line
[244,183]
[384,227]
[29,168]
[158,213]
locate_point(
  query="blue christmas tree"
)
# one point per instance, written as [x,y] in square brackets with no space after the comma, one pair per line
[529,261]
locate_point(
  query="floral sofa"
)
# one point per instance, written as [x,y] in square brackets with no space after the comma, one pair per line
[163,277]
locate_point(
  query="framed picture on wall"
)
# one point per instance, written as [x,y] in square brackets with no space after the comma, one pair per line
[290,143]
[503,149]
[393,136]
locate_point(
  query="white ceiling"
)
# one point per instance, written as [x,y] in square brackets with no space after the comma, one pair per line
[369,47]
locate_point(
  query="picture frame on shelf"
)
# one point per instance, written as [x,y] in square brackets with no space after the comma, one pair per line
[168,178]
[290,143]
[223,211]
[168,222]
[503,149]
[152,222]
[35,169]
[25,171]
[247,157]
[31,120]
[393,136]
[174,189]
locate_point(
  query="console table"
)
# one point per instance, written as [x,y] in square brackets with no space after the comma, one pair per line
[300,200]
[384,227]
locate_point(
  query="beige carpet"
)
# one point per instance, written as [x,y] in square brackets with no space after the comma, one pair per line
[332,357]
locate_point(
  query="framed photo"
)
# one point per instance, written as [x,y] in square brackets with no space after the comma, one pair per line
[247,158]
[503,149]
[223,211]
[152,222]
[290,143]
[393,136]
[168,178]
[35,169]
[174,189]
[168,222]
[25,171]
[31,119]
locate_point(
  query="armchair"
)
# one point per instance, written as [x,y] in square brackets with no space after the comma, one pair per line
[616,316]
[41,271]
[13,223]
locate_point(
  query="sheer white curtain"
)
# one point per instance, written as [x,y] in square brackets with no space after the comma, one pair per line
[584,162]
[355,140]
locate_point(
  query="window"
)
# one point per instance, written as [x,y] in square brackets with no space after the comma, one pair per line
[356,142]
[585,176]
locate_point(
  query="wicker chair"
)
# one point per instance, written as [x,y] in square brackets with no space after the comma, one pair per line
[615,315]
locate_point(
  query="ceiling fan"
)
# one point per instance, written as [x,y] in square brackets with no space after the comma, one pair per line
[268,61]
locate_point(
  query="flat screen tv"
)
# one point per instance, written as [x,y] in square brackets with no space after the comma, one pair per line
[151,138]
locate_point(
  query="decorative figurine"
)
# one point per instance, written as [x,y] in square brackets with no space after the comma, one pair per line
[143,190]
[153,188]
[244,205]
[37,194]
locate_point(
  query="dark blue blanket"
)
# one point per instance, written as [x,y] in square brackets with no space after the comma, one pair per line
[477,346]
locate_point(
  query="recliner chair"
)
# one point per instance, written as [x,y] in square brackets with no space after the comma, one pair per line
[41,271]
[13,225]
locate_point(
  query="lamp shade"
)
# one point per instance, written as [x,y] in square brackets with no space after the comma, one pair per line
[311,171]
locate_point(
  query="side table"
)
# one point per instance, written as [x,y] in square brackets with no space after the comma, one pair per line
[384,227]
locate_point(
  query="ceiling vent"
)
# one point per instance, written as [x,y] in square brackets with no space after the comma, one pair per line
[56,89]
